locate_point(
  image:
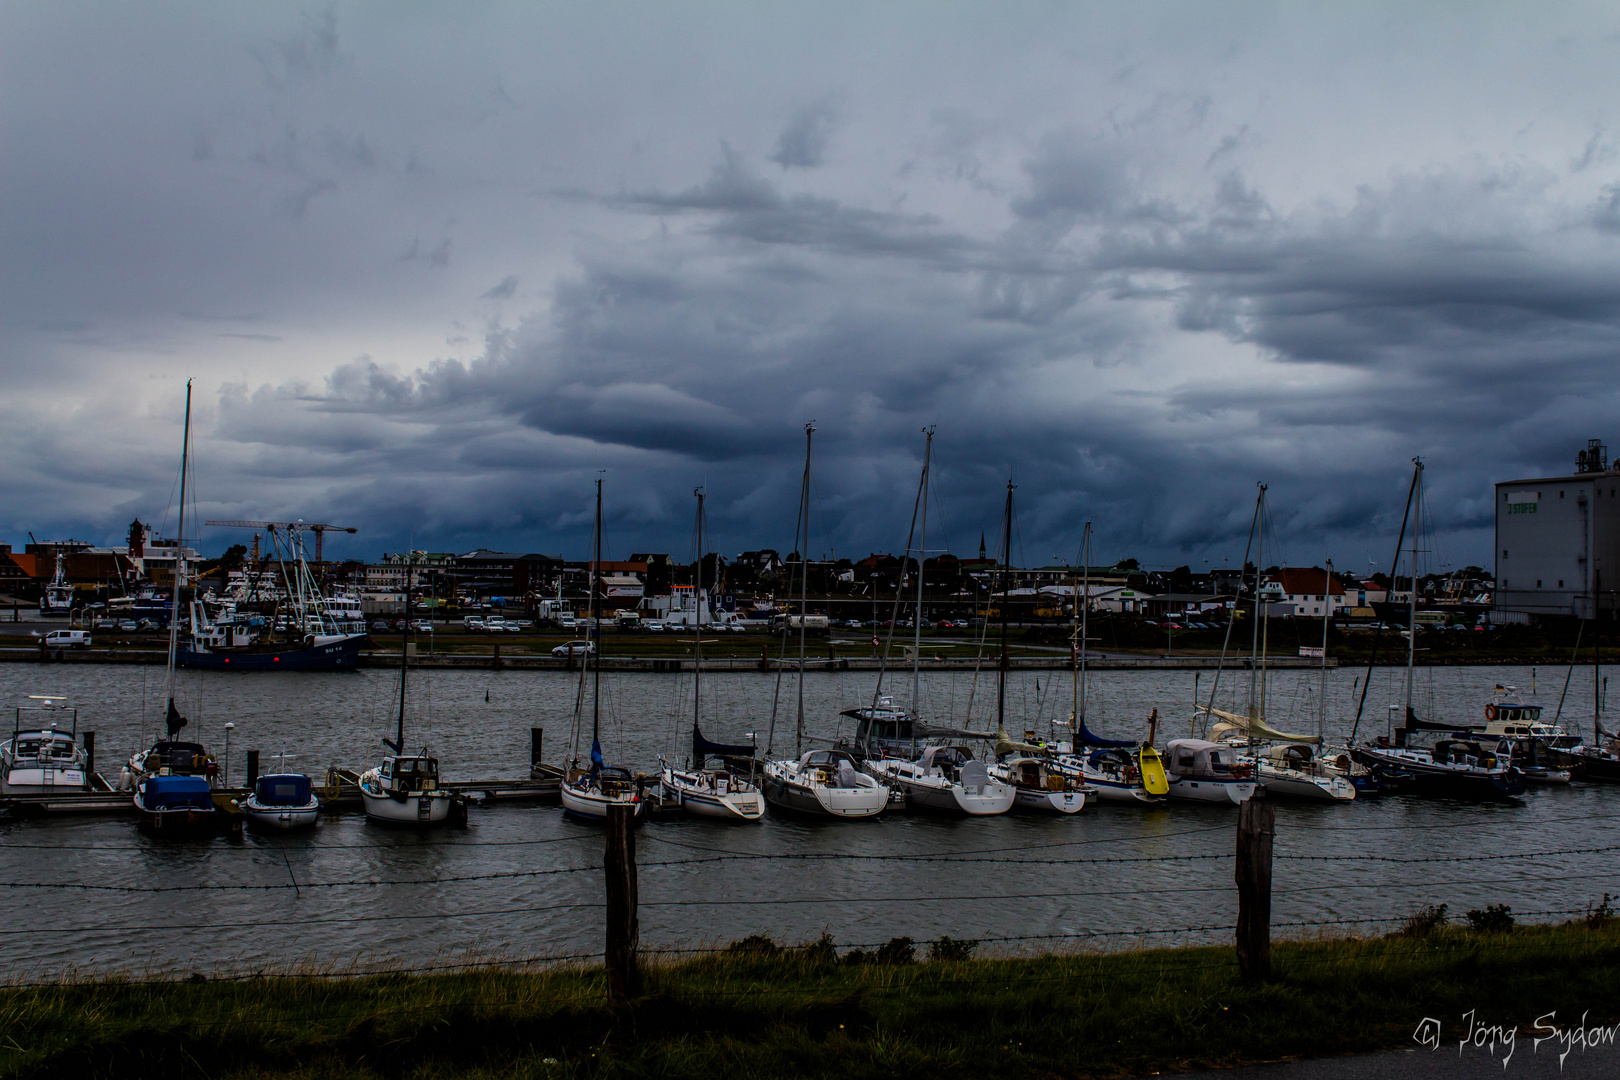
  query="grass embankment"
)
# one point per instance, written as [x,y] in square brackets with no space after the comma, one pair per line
[801,1014]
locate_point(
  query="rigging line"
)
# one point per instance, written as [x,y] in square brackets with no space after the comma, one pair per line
[82,887]
[1231,617]
[899,590]
[1431,884]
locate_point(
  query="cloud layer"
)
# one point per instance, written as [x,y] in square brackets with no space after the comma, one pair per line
[432,284]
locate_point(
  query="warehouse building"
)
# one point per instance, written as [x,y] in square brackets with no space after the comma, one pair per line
[1558,540]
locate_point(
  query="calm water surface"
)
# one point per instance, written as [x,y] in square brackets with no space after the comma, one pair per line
[523,881]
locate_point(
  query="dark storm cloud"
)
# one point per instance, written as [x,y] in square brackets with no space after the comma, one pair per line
[1136,259]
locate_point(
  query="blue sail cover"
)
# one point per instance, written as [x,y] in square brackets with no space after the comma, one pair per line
[1084,737]
[283,789]
[702,748]
[176,793]
[596,756]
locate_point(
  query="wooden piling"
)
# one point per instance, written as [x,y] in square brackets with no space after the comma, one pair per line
[536,736]
[89,754]
[623,927]
[252,769]
[1257,819]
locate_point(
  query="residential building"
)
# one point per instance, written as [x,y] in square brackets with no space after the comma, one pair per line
[1312,591]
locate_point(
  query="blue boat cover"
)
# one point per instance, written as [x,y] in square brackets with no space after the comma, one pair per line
[1086,738]
[176,793]
[283,789]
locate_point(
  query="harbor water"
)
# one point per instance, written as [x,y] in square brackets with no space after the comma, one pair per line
[92,895]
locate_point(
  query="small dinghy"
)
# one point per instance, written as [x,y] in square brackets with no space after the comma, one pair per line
[282,801]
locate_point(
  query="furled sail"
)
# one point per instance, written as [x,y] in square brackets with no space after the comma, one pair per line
[702,748]
[1084,737]
[1259,729]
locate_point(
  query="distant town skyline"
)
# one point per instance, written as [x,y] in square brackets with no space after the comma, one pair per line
[432,269]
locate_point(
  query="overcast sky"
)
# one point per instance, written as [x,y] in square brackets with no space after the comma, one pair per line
[432,267]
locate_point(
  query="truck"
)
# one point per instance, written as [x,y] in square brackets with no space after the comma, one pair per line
[813,624]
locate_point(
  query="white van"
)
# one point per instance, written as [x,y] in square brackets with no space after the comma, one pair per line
[67,639]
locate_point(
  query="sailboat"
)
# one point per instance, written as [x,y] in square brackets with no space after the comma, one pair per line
[1456,767]
[941,778]
[404,789]
[1039,786]
[815,783]
[705,792]
[588,793]
[173,780]
[1116,770]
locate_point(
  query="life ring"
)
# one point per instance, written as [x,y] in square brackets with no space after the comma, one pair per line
[1490,712]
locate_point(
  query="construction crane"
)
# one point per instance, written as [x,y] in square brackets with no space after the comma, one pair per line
[320,529]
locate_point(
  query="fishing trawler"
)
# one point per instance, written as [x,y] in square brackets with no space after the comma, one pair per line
[56,601]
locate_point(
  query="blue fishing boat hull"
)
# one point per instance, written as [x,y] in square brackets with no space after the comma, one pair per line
[333,656]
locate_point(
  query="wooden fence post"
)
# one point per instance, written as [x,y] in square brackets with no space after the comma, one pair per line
[623,927]
[1257,819]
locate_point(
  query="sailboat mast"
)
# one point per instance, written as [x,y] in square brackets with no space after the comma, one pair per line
[1006,565]
[1411,620]
[804,578]
[697,620]
[1597,662]
[1394,568]
[404,650]
[922,555]
[596,623]
[1327,604]
[1256,689]
[179,551]
[1085,614]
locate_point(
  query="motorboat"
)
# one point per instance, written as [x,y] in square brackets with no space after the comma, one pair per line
[1455,768]
[1202,771]
[404,790]
[946,780]
[823,783]
[282,801]
[40,758]
[176,806]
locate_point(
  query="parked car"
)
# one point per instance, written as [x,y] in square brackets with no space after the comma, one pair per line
[379,626]
[517,626]
[67,639]
[853,624]
[473,624]
[128,624]
[422,626]
[948,624]
[569,649]
[653,627]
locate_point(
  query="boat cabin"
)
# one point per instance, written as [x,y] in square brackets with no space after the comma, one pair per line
[282,789]
[407,774]
[1205,760]
[834,768]
[179,759]
[1033,773]
[954,764]
[1476,755]
[883,731]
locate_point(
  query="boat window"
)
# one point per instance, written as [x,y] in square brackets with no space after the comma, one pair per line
[1184,762]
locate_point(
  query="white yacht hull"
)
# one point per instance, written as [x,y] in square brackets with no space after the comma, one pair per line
[1295,785]
[1028,800]
[1201,789]
[723,802]
[1121,792]
[940,796]
[418,809]
[585,803]
[785,790]
[42,781]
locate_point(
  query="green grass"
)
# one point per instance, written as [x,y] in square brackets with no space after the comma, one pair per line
[796,1014]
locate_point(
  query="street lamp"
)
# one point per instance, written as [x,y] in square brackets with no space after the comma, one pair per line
[225,778]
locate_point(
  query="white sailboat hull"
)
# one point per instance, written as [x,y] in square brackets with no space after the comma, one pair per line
[786,789]
[1293,784]
[725,801]
[417,809]
[939,795]
[1202,789]
[585,802]
[1031,801]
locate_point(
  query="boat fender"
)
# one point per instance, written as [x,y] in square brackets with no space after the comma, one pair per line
[1490,712]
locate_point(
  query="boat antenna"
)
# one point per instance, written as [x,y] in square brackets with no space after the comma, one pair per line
[173,720]
[804,577]
[1378,627]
